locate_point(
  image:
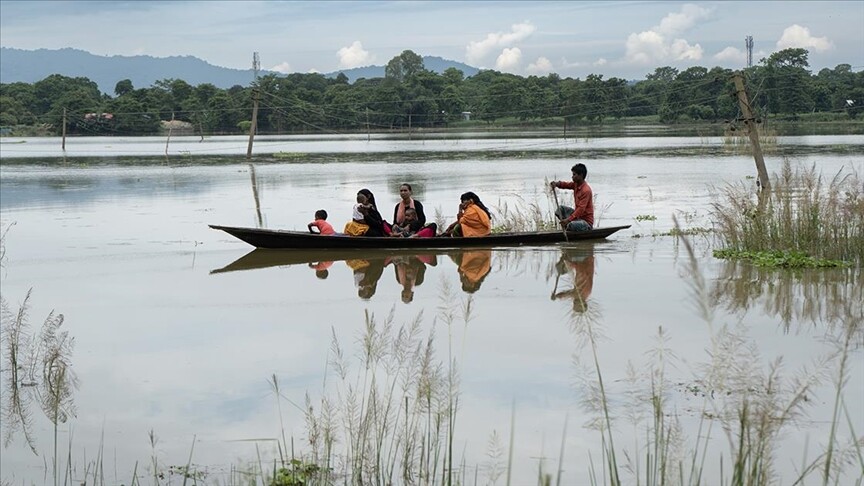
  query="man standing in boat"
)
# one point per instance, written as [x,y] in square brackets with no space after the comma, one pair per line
[581,216]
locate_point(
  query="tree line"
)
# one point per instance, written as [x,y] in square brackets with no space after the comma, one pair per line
[410,96]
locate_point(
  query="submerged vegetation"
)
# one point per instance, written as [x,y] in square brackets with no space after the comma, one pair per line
[803,220]
[777,258]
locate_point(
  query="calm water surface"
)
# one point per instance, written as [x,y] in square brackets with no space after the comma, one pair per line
[178,328]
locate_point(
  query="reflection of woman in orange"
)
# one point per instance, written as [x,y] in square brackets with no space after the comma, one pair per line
[583,279]
[474,266]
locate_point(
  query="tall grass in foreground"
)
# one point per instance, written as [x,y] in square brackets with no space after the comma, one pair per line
[752,405]
[388,416]
[803,212]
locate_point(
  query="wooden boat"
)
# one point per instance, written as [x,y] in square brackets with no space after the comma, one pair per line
[283,239]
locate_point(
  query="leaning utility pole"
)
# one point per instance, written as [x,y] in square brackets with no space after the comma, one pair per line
[750,125]
[254,127]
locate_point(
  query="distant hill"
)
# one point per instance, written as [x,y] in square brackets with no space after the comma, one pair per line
[143,71]
[432,63]
[19,65]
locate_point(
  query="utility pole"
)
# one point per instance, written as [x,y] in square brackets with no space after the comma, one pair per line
[168,140]
[409,126]
[254,127]
[368,135]
[750,125]
[64,130]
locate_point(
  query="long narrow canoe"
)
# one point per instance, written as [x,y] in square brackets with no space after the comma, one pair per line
[283,239]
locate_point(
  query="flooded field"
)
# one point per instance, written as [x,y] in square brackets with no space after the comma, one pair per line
[179,330]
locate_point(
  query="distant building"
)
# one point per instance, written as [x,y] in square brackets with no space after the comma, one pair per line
[466,115]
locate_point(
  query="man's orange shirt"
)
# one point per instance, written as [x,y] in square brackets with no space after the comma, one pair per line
[583,198]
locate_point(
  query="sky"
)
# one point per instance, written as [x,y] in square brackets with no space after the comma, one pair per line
[622,38]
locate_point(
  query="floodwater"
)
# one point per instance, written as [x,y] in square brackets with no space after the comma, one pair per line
[178,328]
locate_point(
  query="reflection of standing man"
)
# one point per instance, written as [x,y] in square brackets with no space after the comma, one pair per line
[474,266]
[581,216]
[583,279]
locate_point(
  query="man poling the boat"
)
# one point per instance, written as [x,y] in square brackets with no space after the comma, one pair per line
[581,216]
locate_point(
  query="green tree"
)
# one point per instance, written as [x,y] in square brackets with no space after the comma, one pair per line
[787,81]
[122,87]
[404,66]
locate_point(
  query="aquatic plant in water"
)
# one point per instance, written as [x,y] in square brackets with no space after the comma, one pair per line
[802,214]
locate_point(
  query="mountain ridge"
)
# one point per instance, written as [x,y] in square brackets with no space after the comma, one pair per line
[30,66]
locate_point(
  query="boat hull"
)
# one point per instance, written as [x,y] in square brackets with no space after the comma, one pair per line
[283,239]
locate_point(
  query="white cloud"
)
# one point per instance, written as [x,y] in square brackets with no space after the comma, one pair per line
[353,56]
[284,68]
[682,50]
[659,44]
[601,62]
[646,47]
[477,51]
[540,66]
[682,21]
[509,59]
[731,54]
[798,36]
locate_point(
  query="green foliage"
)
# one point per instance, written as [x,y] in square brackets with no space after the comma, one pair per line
[646,217]
[778,259]
[410,95]
[296,473]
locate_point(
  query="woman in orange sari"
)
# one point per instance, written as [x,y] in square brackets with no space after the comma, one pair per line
[473,218]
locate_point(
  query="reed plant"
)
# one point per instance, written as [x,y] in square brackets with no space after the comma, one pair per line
[737,140]
[392,420]
[802,213]
[752,405]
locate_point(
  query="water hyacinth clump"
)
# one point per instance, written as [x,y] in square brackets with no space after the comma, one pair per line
[803,213]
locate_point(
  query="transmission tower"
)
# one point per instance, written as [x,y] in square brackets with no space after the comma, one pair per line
[748,41]
[256,65]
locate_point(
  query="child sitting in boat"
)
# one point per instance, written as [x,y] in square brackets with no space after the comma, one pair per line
[321,224]
[410,224]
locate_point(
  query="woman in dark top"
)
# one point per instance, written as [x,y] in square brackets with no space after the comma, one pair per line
[407,202]
[371,216]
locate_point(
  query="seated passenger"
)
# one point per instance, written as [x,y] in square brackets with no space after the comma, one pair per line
[371,216]
[407,201]
[321,224]
[409,226]
[473,218]
[357,226]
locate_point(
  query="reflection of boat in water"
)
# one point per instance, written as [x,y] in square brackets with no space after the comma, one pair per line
[259,258]
[367,266]
[281,239]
